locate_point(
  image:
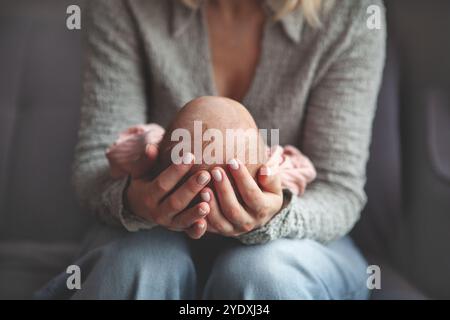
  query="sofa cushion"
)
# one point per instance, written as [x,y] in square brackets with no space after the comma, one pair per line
[40,99]
[393,285]
[421,253]
[26,266]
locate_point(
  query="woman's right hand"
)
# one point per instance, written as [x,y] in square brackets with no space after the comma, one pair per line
[157,201]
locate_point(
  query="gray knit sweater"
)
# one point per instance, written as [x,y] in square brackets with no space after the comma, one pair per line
[147,58]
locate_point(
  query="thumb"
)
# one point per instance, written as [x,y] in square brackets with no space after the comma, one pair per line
[146,163]
[269,179]
[151,151]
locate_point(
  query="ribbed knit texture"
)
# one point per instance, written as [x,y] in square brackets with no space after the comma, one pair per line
[147,58]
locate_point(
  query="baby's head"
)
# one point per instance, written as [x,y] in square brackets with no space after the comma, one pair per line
[221,128]
[128,155]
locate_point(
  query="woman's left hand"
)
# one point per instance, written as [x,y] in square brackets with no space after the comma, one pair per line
[227,215]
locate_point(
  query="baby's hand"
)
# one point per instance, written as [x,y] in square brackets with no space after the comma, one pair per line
[295,169]
[135,151]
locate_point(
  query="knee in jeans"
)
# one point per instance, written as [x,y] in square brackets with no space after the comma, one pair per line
[159,251]
[247,274]
[267,272]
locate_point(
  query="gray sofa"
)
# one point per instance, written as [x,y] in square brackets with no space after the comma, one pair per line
[41,225]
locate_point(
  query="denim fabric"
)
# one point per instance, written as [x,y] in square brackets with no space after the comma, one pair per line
[160,264]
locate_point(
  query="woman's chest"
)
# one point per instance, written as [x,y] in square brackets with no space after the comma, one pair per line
[235,47]
[277,77]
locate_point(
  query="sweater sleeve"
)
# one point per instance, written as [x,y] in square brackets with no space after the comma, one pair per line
[336,137]
[113,99]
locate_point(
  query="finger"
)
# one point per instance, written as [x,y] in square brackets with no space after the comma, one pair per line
[170,177]
[211,229]
[197,230]
[228,202]
[180,199]
[269,180]
[188,218]
[247,186]
[216,221]
[151,151]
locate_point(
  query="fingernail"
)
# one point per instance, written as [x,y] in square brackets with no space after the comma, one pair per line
[188,158]
[202,179]
[233,164]
[201,225]
[202,211]
[266,171]
[217,175]
[205,196]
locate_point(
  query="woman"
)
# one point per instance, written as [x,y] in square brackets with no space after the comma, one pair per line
[309,67]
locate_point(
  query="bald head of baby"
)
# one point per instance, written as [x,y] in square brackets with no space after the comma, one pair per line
[215,130]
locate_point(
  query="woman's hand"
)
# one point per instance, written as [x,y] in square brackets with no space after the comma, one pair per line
[227,216]
[157,201]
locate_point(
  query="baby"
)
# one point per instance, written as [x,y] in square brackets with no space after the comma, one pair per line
[206,119]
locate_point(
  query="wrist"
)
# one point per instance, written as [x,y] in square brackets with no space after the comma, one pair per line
[130,199]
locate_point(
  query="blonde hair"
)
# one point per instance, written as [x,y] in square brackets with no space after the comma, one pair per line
[311,8]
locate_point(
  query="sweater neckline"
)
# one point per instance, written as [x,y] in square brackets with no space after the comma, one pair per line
[292,23]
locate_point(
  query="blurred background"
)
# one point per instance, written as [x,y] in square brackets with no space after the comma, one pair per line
[405,227]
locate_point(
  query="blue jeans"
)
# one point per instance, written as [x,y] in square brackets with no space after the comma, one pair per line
[161,264]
